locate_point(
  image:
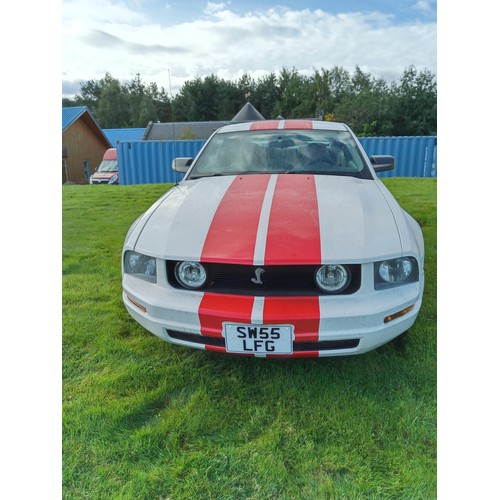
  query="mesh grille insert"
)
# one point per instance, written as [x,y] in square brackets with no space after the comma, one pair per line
[273,280]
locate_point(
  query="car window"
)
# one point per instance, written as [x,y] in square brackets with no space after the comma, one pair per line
[108,166]
[329,152]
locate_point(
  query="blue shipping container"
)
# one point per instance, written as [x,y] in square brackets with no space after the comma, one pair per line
[150,162]
[415,156]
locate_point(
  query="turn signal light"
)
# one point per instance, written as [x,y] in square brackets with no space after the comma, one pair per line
[398,314]
[141,307]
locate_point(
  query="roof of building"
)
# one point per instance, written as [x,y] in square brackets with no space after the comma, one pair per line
[196,130]
[72,114]
[116,135]
[181,130]
[247,114]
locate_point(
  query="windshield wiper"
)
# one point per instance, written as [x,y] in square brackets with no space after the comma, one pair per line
[218,174]
[206,175]
[319,172]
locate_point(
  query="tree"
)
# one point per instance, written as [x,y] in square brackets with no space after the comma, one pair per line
[112,110]
[339,80]
[246,85]
[266,97]
[207,99]
[370,106]
[359,102]
[90,93]
[414,103]
[161,102]
[292,102]
[141,102]
[196,100]
[320,95]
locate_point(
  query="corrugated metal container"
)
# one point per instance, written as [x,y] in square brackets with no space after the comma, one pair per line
[415,156]
[150,162]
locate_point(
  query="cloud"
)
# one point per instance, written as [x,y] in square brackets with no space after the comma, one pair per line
[425,6]
[70,87]
[214,8]
[222,42]
[103,40]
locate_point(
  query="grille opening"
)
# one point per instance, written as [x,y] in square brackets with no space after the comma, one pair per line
[272,281]
[322,345]
[197,339]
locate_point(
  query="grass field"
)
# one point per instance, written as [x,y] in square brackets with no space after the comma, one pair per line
[143,419]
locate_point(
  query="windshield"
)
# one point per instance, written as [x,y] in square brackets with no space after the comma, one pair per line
[329,152]
[108,166]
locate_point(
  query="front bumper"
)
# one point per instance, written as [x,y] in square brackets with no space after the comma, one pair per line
[103,180]
[340,325]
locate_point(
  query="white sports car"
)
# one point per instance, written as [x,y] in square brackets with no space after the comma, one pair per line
[279,241]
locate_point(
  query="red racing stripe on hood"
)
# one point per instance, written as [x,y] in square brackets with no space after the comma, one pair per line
[233,230]
[215,309]
[293,235]
[302,312]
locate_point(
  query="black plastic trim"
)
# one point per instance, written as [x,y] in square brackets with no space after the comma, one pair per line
[323,345]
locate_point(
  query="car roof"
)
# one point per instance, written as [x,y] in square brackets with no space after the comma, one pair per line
[282,125]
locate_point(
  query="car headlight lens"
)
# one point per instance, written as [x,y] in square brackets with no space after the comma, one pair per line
[190,274]
[332,277]
[113,179]
[140,265]
[394,272]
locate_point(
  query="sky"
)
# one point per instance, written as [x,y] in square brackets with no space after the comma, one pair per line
[171,41]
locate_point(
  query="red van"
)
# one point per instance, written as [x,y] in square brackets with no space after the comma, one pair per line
[107,173]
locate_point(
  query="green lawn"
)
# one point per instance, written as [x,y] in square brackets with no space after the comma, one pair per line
[143,419]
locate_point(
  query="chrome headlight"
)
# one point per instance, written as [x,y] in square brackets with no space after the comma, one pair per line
[395,272]
[141,266]
[190,274]
[332,277]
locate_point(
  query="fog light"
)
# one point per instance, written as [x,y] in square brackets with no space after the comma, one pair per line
[190,274]
[332,277]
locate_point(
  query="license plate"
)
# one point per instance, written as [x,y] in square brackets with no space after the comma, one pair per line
[261,339]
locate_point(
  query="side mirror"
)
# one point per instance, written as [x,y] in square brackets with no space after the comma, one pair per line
[181,164]
[381,163]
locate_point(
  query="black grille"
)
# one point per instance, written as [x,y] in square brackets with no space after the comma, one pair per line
[197,339]
[276,280]
[326,345]
[322,345]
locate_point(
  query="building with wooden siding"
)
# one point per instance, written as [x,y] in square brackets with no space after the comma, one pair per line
[83,144]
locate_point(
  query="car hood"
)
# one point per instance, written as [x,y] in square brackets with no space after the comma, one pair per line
[273,219]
